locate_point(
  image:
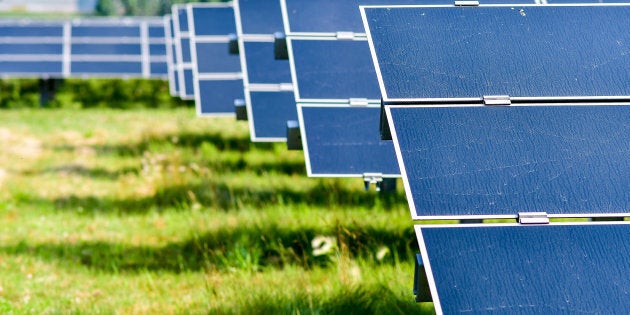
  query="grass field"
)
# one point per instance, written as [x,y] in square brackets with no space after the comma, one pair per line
[145,212]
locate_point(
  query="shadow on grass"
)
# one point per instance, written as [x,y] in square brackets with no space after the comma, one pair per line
[80,170]
[244,248]
[374,299]
[223,197]
[183,140]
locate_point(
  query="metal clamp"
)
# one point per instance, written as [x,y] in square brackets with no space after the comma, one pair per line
[345,35]
[466,3]
[358,102]
[533,218]
[497,100]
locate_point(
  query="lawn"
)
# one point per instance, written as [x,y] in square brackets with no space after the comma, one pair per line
[158,211]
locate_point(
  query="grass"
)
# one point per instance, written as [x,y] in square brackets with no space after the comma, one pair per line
[144,212]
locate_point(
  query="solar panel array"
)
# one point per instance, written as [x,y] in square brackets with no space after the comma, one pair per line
[183,57]
[88,47]
[517,112]
[495,112]
[268,99]
[216,69]
[336,91]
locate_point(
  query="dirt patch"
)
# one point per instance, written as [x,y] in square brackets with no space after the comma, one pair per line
[19,146]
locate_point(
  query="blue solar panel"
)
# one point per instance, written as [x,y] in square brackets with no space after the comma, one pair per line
[182,52]
[188,80]
[333,69]
[269,114]
[39,68]
[539,269]
[490,161]
[109,31]
[217,96]
[104,68]
[31,49]
[157,49]
[157,31]
[331,16]
[32,30]
[269,97]
[260,16]
[182,18]
[215,57]
[262,68]
[159,68]
[214,20]
[216,72]
[186,58]
[171,61]
[343,141]
[36,48]
[540,52]
[107,49]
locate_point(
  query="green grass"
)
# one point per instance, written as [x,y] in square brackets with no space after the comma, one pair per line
[157,211]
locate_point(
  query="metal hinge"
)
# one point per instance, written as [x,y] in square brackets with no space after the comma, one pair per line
[496,100]
[358,101]
[533,218]
[466,3]
[372,178]
[285,87]
[345,35]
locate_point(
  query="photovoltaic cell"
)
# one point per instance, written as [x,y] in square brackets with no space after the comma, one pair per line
[543,52]
[520,269]
[338,142]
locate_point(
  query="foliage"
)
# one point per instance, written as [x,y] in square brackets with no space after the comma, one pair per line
[80,93]
[138,7]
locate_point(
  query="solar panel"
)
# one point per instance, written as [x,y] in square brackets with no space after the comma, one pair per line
[216,71]
[338,141]
[173,73]
[268,90]
[116,47]
[184,65]
[94,47]
[259,16]
[325,68]
[544,269]
[524,52]
[31,48]
[491,162]
[484,131]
